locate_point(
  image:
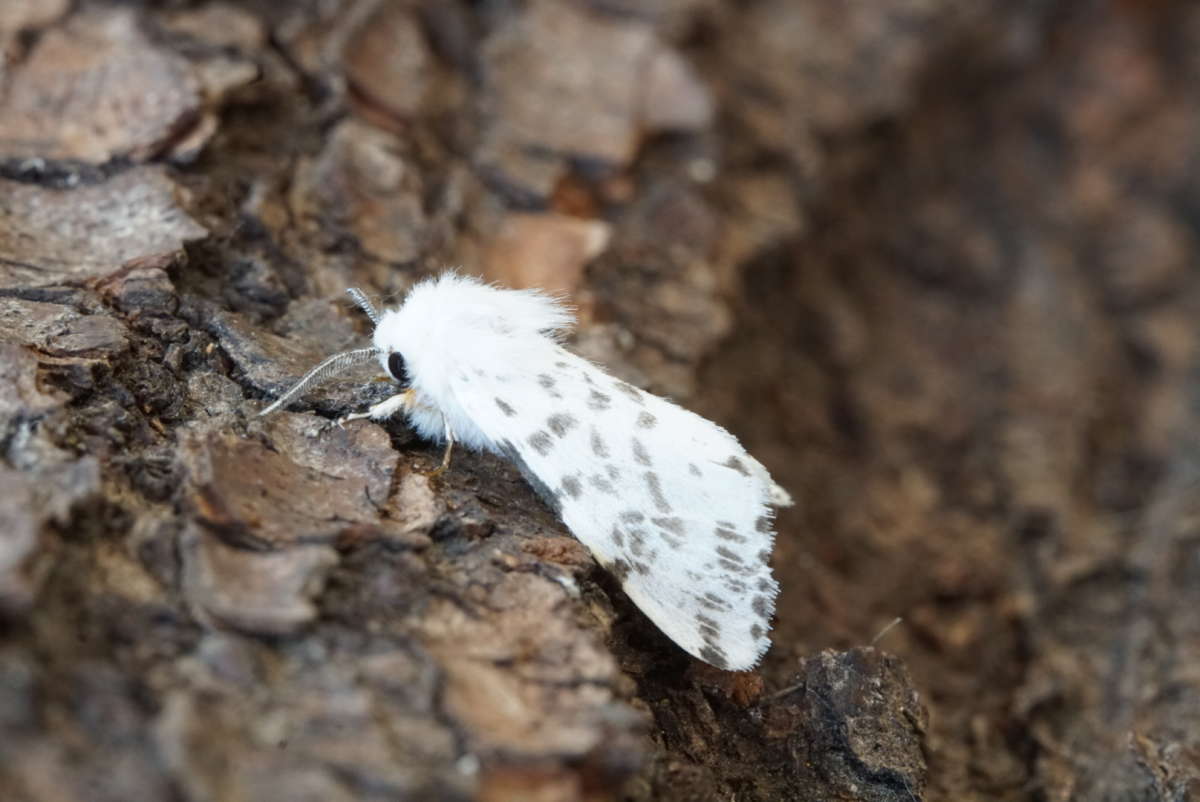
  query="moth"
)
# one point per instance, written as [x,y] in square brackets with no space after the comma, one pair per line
[667,501]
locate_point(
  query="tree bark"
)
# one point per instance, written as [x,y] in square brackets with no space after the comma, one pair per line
[930,261]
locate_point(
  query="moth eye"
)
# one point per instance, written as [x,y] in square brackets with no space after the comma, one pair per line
[396,367]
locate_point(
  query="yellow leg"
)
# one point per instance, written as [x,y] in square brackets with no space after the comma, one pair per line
[390,406]
[438,471]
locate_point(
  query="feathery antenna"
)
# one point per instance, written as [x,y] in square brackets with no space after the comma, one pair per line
[330,367]
[361,301]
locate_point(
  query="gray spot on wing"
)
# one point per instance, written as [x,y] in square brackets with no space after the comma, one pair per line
[620,569]
[764,585]
[547,383]
[646,420]
[655,487]
[673,542]
[693,470]
[628,389]
[764,556]
[637,540]
[598,401]
[640,455]
[713,655]
[735,567]
[756,631]
[737,465]
[602,484]
[673,524]
[618,537]
[612,472]
[763,524]
[716,600]
[762,606]
[599,447]
[710,632]
[505,407]
[560,423]
[632,517]
[729,555]
[573,486]
[708,627]
[728,534]
[541,442]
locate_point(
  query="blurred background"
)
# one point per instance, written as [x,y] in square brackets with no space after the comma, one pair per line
[933,262]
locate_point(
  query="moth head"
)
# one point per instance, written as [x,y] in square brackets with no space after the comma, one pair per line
[392,338]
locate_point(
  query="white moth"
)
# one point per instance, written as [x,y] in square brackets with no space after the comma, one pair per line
[667,501]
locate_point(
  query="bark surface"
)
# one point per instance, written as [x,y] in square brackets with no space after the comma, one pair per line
[933,262]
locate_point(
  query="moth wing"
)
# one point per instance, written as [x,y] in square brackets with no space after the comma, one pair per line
[666,500]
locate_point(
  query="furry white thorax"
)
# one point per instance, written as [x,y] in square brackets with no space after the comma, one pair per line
[452,321]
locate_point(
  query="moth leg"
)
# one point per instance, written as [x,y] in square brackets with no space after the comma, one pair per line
[383,410]
[449,450]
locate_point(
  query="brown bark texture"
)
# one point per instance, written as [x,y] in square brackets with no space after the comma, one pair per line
[934,262]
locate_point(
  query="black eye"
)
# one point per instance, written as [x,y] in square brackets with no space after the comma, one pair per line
[396,367]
